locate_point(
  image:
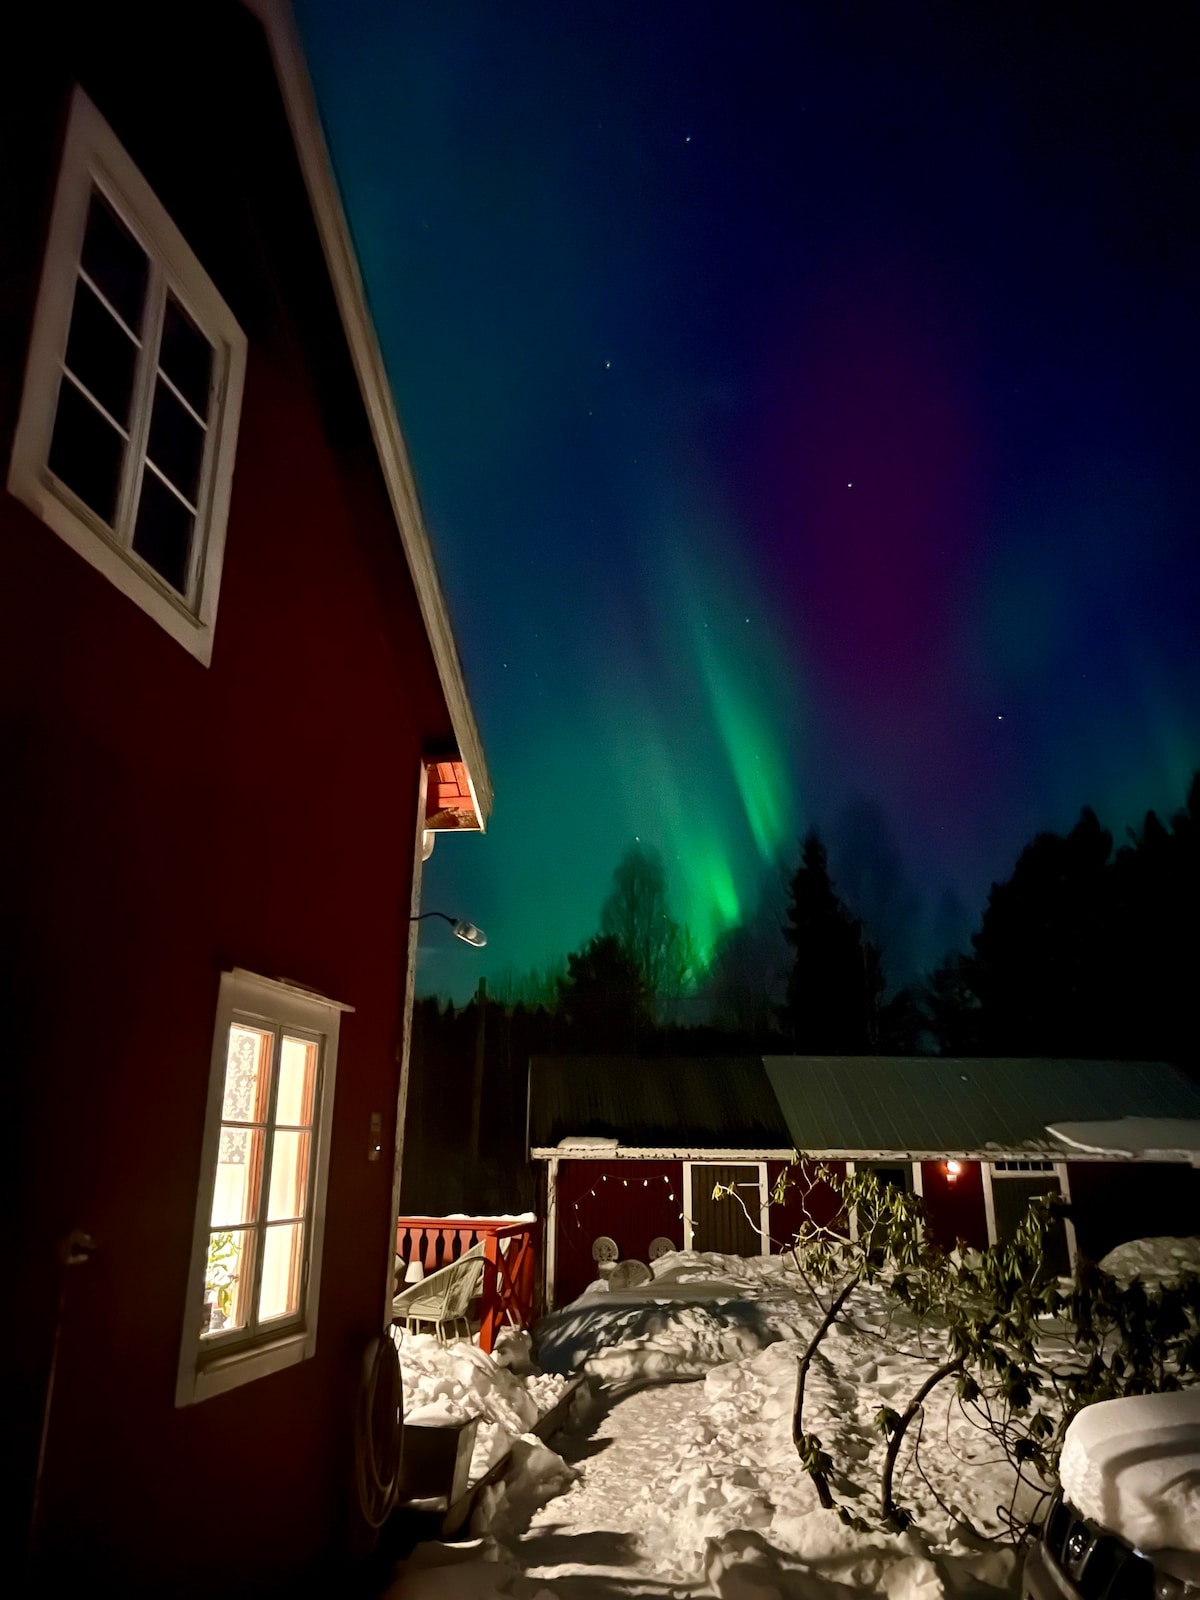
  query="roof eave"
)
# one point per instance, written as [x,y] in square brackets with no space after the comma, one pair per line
[315,163]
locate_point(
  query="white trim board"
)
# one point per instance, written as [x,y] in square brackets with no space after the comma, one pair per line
[656,1153]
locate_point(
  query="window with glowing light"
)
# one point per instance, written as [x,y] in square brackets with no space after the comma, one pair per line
[255,1269]
[128,422]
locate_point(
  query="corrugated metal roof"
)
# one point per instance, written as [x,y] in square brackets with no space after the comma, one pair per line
[925,1103]
[717,1103]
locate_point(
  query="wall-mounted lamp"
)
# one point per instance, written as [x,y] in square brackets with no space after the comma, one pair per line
[466,931]
[953,1168]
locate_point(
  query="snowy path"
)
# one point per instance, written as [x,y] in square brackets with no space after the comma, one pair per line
[605,1523]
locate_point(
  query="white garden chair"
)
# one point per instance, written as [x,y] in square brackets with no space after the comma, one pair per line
[443,1298]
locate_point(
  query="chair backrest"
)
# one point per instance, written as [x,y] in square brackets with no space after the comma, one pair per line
[465,1282]
[445,1293]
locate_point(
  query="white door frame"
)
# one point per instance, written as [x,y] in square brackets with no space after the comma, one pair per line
[1059,1169]
[764,1201]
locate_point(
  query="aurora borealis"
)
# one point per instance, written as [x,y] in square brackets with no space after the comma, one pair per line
[804,403]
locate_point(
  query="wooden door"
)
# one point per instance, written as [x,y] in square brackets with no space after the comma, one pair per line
[1010,1200]
[723,1224]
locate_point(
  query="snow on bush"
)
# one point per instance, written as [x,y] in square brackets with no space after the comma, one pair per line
[446,1383]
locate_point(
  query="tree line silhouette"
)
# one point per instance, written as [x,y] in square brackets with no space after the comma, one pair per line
[1084,951]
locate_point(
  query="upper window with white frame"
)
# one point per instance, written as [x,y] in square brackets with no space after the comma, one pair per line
[128,423]
[256,1248]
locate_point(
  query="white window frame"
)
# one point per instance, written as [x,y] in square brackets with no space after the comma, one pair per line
[93,157]
[206,1367]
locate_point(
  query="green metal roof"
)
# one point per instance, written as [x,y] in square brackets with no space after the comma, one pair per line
[715,1103]
[940,1105]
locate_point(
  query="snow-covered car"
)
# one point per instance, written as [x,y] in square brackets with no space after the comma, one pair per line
[1126,1525]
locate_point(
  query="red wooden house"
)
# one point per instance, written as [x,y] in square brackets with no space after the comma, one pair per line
[633,1149]
[227,676]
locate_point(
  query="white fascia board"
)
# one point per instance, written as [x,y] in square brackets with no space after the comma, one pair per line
[625,1152]
[1044,1151]
[315,163]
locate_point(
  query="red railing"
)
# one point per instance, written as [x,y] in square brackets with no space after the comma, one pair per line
[510,1275]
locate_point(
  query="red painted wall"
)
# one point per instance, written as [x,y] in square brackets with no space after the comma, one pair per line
[808,1198]
[1113,1202]
[955,1209]
[164,822]
[632,1202]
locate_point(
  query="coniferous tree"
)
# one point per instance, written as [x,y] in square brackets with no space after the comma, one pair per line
[1040,967]
[836,981]
[602,1000]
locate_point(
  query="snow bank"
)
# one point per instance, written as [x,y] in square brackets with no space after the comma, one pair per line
[1166,1262]
[451,1382]
[535,1476]
[730,1506]
[738,1472]
[1133,1466]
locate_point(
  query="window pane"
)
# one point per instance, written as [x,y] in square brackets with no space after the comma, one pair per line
[283,1254]
[115,261]
[176,444]
[289,1175]
[247,1074]
[86,452]
[239,1176]
[185,355]
[101,354]
[162,535]
[229,1270]
[297,1082]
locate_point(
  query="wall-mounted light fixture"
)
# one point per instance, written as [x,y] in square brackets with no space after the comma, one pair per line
[953,1168]
[467,931]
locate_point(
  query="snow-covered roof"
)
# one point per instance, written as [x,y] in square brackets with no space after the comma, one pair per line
[859,1107]
[1172,1138]
[938,1104]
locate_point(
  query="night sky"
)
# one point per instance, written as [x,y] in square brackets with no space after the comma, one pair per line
[804,403]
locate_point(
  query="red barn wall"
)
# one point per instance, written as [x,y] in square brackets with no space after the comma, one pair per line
[808,1198]
[955,1208]
[165,822]
[633,1202]
[1113,1202]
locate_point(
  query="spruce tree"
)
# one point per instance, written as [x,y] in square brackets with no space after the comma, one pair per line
[836,981]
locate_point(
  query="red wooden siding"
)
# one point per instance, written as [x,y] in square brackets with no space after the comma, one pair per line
[955,1210]
[172,822]
[808,1196]
[633,1202]
[1111,1203]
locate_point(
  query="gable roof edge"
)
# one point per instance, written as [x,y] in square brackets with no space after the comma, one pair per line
[316,165]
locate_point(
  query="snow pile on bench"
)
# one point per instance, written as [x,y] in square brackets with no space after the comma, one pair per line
[447,1383]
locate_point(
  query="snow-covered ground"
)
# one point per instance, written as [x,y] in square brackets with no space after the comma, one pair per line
[694,1488]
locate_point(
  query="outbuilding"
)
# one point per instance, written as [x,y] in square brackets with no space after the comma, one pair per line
[633,1150]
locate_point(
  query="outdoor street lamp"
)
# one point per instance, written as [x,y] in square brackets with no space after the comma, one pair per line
[466,931]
